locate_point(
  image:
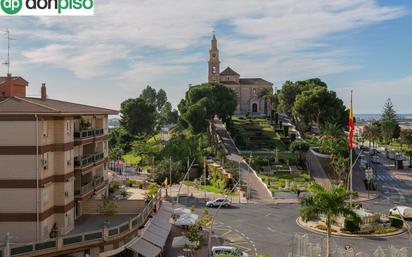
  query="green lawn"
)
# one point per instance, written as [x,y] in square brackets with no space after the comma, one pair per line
[279,180]
[255,134]
[208,188]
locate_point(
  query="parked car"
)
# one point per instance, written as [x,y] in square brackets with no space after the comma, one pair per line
[216,250]
[376,159]
[219,201]
[404,211]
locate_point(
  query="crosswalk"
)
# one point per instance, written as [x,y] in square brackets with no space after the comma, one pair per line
[385,178]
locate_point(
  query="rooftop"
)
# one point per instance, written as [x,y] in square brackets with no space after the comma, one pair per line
[229,72]
[254,81]
[15,105]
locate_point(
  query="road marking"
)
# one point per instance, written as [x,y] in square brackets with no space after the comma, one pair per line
[267,215]
[271,229]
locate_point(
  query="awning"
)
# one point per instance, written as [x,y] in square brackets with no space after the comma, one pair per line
[154,238]
[145,248]
[187,219]
[182,241]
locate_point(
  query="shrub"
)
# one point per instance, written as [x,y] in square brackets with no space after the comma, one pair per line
[396,221]
[325,228]
[351,224]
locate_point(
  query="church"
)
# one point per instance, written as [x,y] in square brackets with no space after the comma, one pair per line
[246,89]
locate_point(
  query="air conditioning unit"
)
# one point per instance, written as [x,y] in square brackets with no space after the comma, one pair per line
[44,163]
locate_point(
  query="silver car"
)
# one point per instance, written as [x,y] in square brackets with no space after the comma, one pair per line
[216,250]
[224,202]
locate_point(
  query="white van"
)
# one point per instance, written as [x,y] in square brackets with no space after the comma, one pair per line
[404,211]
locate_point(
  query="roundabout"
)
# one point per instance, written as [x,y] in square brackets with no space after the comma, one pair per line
[313,228]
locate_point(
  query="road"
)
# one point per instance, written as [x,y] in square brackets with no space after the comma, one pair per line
[269,229]
[390,187]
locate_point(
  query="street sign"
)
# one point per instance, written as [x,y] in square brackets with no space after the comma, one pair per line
[369,174]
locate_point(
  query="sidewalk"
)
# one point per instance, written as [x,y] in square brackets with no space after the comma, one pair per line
[186,191]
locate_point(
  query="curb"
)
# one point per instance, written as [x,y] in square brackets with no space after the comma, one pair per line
[321,232]
[376,196]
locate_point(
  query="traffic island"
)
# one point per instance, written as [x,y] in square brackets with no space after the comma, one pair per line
[319,227]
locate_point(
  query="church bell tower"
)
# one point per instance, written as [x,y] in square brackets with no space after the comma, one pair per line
[214,63]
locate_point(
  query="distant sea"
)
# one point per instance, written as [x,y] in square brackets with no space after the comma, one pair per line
[377,116]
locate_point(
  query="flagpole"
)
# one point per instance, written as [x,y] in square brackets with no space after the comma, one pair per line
[351,128]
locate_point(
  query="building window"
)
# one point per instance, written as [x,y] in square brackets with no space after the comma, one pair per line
[45,128]
[68,127]
[69,158]
[45,196]
[45,161]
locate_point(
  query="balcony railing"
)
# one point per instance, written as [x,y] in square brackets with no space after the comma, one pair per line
[85,189]
[87,239]
[98,180]
[87,133]
[83,161]
[98,157]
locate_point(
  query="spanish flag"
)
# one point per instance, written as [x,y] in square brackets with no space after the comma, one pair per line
[351,123]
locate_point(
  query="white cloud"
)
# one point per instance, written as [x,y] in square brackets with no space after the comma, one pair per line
[152,39]
[370,95]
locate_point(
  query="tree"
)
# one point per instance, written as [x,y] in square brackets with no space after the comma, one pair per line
[333,130]
[203,102]
[372,132]
[331,203]
[406,137]
[340,166]
[290,90]
[149,95]
[301,147]
[195,235]
[267,95]
[137,116]
[389,124]
[108,208]
[319,105]
[409,153]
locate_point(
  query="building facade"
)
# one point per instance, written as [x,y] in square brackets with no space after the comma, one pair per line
[53,158]
[247,89]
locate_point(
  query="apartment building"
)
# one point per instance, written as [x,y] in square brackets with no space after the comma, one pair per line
[53,158]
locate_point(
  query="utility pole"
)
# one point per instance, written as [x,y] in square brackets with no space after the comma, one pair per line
[170,174]
[240,186]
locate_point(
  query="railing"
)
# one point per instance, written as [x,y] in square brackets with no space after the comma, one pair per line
[87,159]
[83,239]
[98,157]
[97,180]
[84,189]
[87,133]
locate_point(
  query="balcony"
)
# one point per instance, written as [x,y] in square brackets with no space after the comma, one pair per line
[97,181]
[84,189]
[88,133]
[84,161]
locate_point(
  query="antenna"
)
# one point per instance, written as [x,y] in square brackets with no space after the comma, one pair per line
[7,62]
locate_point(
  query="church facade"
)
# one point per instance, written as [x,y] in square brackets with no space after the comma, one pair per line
[247,89]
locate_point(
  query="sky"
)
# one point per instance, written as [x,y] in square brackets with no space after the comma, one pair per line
[359,45]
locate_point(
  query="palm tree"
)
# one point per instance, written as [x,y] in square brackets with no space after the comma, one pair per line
[333,130]
[331,203]
[372,133]
[267,95]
